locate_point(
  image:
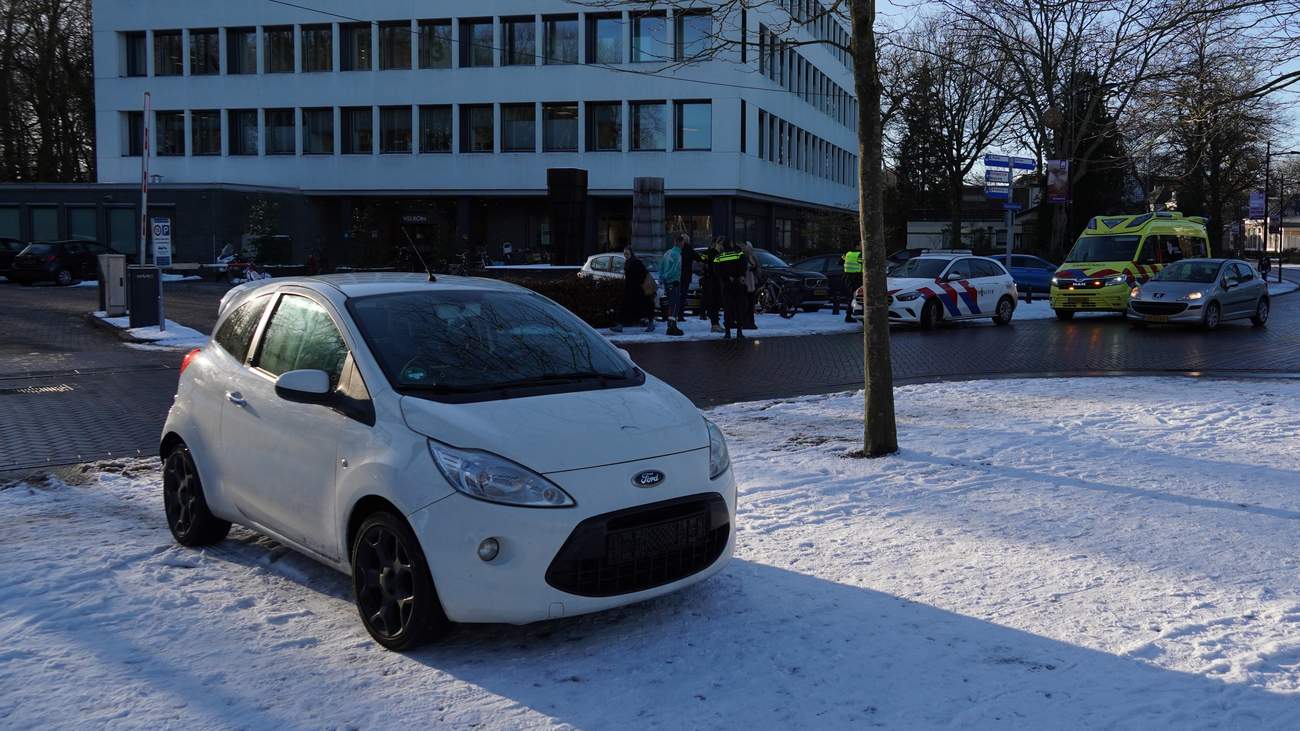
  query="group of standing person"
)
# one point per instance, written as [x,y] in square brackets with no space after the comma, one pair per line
[729,281]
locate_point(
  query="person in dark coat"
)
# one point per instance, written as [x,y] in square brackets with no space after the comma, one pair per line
[636,307]
[711,286]
[732,264]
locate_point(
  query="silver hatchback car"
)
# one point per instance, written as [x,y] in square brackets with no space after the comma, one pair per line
[1204,292]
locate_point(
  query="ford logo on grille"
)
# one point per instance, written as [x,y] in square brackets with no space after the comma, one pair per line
[649,478]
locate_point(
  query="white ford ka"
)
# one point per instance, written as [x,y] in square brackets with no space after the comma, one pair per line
[467,450]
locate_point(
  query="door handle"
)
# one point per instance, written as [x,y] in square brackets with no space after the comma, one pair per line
[235,398]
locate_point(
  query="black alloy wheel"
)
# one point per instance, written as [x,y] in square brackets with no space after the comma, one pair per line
[188,516]
[930,314]
[63,277]
[1212,316]
[393,588]
[1005,311]
[1261,313]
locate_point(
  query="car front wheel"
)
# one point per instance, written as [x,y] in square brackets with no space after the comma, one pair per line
[392,585]
[930,315]
[1211,320]
[188,516]
[63,277]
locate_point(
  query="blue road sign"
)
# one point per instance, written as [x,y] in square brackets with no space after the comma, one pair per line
[1011,206]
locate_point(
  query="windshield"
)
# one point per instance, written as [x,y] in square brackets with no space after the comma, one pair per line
[1104,248]
[769,259]
[471,342]
[39,249]
[1202,272]
[919,268]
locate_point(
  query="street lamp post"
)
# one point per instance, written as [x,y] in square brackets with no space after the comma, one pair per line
[1281,201]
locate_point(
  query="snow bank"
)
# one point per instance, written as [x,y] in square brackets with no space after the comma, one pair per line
[174,336]
[165,277]
[769,326]
[1042,554]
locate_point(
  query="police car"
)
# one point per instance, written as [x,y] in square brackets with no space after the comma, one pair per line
[954,285]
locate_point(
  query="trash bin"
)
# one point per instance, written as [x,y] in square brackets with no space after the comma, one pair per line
[145,287]
[112,284]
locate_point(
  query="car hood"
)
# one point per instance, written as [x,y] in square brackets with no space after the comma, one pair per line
[1169,291]
[792,273]
[567,431]
[901,284]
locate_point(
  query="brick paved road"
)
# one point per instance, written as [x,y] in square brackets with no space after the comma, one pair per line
[71,392]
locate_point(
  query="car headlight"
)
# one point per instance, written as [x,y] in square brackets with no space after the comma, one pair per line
[485,476]
[1056,282]
[1116,279]
[1135,292]
[1193,296]
[907,296]
[719,458]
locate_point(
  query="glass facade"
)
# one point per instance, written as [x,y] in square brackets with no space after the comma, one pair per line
[317,48]
[168,59]
[435,44]
[358,130]
[693,125]
[650,38]
[521,41]
[561,39]
[242,127]
[355,53]
[137,54]
[649,128]
[318,131]
[518,128]
[395,45]
[435,128]
[241,50]
[280,131]
[604,126]
[605,39]
[691,39]
[394,130]
[277,45]
[560,127]
[476,128]
[205,132]
[205,52]
[477,45]
[171,133]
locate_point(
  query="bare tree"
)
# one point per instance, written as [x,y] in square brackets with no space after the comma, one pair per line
[971,108]
[793,23]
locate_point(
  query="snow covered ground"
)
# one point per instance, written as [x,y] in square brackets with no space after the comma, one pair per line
[174,336]
[1042,554]
[769,326]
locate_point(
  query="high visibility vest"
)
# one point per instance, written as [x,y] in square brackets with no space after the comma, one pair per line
[853,262]
[727,256]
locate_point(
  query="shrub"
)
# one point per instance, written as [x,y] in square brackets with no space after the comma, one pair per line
[596,301]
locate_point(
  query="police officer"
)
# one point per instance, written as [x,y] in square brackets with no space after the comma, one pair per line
[730,265]
[852,276]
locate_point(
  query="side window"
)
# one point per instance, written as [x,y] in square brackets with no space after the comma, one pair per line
[236,332]
[1151,250]
[301,335]
[1170,249]
[962,268]
[616,263]
[600,264]
[1192,246]
[1244,274]
[72,249]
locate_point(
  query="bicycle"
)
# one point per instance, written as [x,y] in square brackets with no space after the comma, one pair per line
[777,299]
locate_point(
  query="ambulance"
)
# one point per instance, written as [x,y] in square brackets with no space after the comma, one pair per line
[1116,253]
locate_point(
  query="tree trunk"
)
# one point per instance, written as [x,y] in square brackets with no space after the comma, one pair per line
[880,434]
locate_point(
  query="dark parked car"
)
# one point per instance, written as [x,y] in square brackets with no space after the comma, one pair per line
[61,262]
[1031,273]
[812,288]
[9,248]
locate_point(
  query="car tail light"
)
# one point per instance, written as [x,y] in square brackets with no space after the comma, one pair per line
[51,257]
[189,357]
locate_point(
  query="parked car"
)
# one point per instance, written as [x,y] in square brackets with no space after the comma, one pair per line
[832,266]
[465,449]
[810,289]
[61,262]
[928,289]
[9,249]
[1032,274]
[1203,292]
[610,266]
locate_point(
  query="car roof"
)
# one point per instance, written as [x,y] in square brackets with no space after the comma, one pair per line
[364,284]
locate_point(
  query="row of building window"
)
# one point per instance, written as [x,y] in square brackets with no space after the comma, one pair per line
[783,143]
[780,62]
[426,129]
[822,26]
[421,44]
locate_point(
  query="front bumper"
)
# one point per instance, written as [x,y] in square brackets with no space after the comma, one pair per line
[1112,298]
[514,587]
[1157,311]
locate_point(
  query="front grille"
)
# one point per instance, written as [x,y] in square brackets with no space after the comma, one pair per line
[1157,308]
[641,548]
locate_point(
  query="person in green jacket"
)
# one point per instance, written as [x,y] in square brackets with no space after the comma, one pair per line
[851,280]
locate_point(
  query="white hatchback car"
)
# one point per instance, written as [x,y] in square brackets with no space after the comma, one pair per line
[928,289]
[467,450]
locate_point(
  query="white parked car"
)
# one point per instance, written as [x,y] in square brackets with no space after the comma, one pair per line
[467,450]
[928,289]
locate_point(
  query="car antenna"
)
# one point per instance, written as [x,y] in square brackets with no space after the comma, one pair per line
[416,249]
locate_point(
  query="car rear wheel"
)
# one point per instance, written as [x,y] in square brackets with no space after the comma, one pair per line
[1064,315]
[930,315]
[1006,309]
[188,516]
[392,585]
[1261,313]
[63,277]
[1211,320]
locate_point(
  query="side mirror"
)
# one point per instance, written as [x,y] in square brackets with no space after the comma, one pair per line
[306,386]
[953,277]
[1226,284]
[627,355]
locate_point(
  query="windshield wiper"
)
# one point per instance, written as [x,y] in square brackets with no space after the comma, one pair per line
[549,378]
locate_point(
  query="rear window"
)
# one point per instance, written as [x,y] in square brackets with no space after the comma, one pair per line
[41,249]
[236,332]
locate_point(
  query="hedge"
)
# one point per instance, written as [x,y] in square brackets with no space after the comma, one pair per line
[596,301]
